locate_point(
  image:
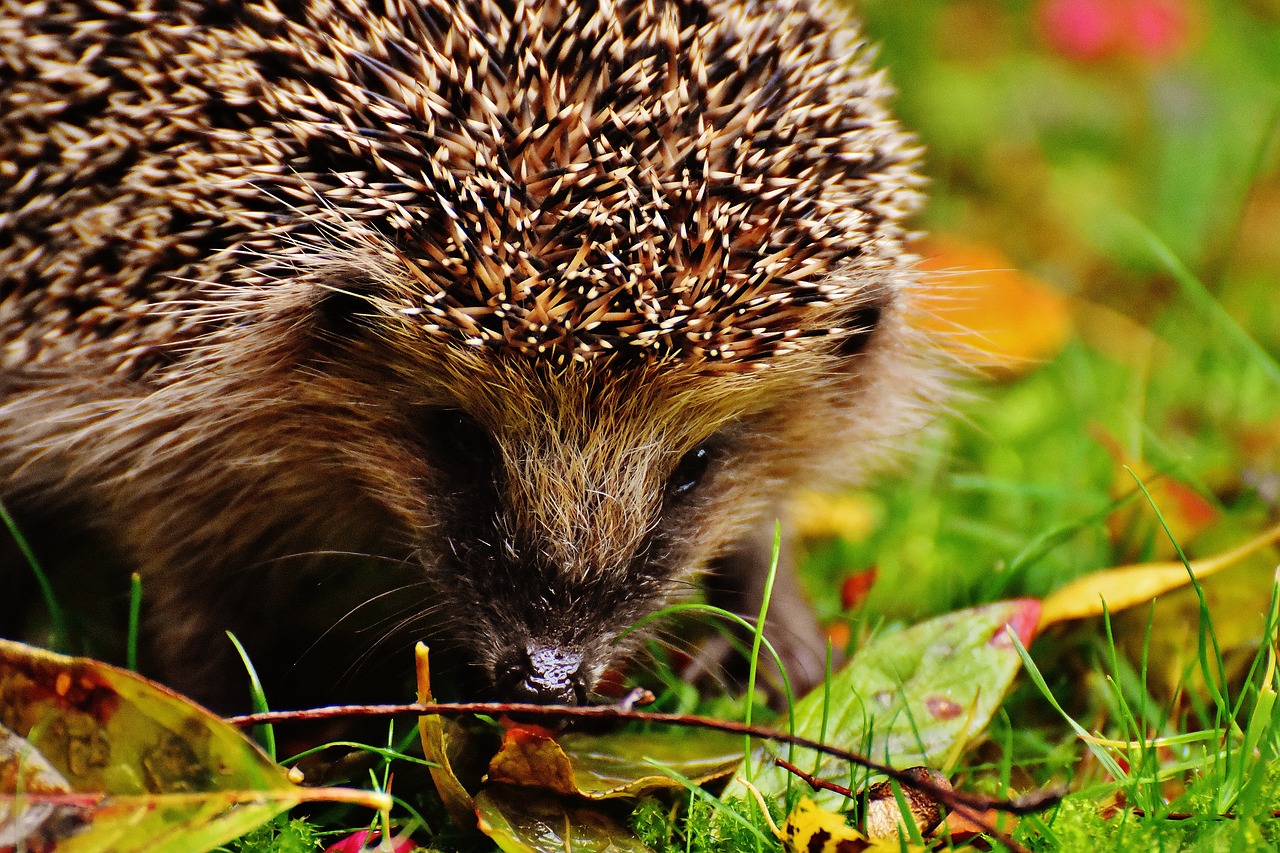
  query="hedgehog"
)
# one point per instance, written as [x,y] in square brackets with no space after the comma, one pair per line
[519,318]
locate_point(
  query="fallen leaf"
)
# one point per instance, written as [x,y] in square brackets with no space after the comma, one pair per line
[856,588]
[1165,631]
[839,634]
[958,827]
[909,697]
[619,765]
[533,759]
[1118,336]
[518,799]
[822,515]
[1125,586]
[145,769]
[812,829]
[33,826]
[520,820]
[435,747]
[1134,527]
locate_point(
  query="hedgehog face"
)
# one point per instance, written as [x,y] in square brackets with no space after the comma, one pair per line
[569,509]
[556,505]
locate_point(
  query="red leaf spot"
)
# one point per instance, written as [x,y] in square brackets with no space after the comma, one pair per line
[1023,622]
[943,708]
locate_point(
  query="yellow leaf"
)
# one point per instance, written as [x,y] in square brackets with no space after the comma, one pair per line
[820,515]
[435,742]
[810,829]
[1127,586]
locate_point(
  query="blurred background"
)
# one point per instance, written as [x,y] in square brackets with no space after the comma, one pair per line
[1105,208]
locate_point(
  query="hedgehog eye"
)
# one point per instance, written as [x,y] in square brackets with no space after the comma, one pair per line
[689,472]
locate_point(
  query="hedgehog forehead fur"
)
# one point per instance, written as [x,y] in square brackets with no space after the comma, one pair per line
[705,184]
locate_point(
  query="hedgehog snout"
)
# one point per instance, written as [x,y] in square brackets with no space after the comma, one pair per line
[542,673]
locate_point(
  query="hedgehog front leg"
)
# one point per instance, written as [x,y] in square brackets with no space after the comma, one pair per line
[738,584]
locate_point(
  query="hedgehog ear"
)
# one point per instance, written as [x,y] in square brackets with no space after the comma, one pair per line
[857,327]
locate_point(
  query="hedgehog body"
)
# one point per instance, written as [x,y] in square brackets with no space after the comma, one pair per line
[545,305]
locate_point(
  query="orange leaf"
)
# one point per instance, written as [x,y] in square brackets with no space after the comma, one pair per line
[532,757]
[1134,526]
[990,315]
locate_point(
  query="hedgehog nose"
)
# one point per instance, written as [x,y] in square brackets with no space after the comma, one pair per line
[548,676]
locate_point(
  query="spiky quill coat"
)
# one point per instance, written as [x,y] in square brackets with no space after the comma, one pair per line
[550,302]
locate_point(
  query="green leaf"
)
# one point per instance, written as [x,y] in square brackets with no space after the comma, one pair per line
[910,697]
[144,768]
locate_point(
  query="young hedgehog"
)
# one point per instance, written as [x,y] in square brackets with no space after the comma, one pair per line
[550,304]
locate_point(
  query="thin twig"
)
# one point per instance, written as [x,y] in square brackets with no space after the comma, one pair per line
[814,782]
[1192,815]
[1025,804]
[969,814]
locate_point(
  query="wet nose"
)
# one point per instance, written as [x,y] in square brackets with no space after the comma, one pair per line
[546,675]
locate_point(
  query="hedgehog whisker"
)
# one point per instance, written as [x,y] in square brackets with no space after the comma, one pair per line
[387,638]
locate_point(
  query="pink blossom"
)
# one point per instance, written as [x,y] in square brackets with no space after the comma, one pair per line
[1092,30]
[1158,29]
[366,841]
[1083,30]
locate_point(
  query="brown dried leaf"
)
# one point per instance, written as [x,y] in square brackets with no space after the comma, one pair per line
[884,816]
